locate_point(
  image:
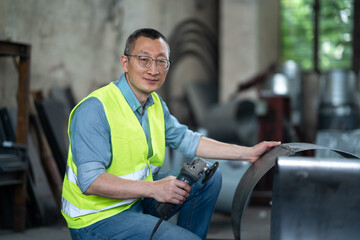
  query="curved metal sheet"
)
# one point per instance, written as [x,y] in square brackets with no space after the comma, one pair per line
[258,169]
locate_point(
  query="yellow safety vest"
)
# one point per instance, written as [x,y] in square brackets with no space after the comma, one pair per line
[129,157]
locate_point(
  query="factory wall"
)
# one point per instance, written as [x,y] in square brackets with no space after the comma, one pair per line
[79,43]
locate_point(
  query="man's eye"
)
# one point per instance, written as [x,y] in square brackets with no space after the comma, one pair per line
[162,62]
[144,60]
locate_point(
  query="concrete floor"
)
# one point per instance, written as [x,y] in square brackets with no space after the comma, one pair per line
[256,226]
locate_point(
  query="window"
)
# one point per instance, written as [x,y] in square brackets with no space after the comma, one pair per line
[317,34]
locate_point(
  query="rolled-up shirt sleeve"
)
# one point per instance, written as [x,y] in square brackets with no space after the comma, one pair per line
[90,142]
[179,136]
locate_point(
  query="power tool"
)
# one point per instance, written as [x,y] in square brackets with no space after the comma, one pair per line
[189,173]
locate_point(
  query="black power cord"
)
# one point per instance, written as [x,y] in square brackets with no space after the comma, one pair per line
[156,227]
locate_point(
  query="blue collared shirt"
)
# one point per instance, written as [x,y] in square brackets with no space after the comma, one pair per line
[91,140]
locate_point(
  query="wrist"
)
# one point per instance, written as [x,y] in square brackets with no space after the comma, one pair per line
[243,153]
[148,189]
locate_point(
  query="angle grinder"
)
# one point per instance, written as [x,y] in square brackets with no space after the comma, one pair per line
[189,173]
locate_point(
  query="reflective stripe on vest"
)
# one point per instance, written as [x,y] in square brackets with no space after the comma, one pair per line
[72,211]
[139,175]
[154,169]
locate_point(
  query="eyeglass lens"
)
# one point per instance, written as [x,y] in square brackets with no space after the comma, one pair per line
[146,62]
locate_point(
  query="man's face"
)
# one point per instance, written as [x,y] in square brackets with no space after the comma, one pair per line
[144,81]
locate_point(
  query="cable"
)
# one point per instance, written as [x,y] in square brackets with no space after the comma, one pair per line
[156,227]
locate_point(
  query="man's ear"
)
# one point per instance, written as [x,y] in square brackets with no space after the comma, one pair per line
[124,62]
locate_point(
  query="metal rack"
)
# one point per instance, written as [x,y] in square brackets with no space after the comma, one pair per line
[23,53]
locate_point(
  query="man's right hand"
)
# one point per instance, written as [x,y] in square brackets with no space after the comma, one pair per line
[171,190]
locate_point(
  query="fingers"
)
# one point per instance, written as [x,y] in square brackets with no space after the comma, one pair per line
[261,148]
[264,146]
[183,185]
[172,190]
[181,191]
[177,183]
[270,144]
[178,196]
[273,144]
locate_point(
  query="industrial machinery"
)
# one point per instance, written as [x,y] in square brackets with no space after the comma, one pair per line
[257,170]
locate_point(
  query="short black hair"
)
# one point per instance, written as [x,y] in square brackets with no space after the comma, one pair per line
[142,32]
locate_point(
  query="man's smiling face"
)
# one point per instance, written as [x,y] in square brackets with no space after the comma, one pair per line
[143,81]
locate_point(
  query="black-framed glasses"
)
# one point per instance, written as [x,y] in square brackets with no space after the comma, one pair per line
[146,62]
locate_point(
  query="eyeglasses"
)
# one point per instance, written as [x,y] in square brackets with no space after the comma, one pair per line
[146,62]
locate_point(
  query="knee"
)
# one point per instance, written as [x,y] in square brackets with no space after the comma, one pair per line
[216,180]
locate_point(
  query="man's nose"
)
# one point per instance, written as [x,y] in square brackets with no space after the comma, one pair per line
[153,69]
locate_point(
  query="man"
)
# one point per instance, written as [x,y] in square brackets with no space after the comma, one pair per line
[118,136]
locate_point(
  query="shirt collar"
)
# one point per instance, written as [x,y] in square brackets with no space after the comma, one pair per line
[130,97]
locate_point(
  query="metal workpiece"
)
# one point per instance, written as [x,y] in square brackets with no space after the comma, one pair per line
[316,198]
[258,169]
[338,108]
